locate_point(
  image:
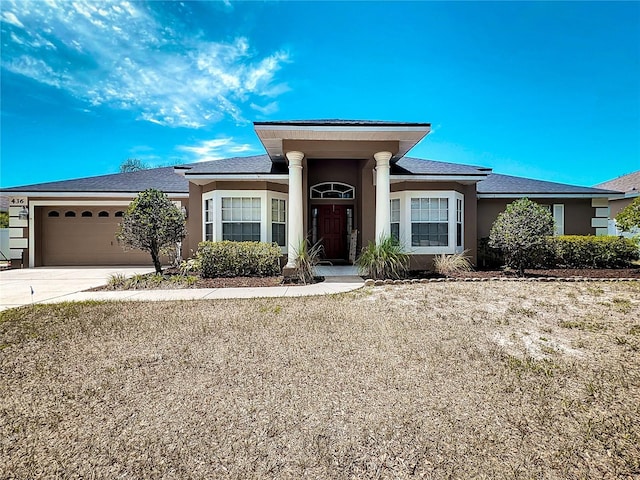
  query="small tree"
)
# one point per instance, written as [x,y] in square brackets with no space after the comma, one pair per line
[132,165]
[629,217]
[520,232]
[152,223]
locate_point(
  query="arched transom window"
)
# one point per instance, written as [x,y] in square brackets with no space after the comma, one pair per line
[333,190]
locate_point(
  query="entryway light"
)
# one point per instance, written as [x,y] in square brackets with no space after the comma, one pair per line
[23,214]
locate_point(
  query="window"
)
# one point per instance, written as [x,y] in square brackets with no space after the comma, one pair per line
[332,190]
[429,222]
[395,219]
[70,214]
[208,220]
[458,222]
[558,218]
[119,213]
[557,212]
[278,222]
[53,213]
[103,214]
[241,219]
[87,213]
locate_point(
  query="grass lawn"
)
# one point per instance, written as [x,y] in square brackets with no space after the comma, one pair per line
[441,380]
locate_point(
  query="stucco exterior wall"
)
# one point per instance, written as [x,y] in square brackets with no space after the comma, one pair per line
[616,206]
[578,213]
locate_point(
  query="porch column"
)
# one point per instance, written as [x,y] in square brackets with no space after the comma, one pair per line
[383,189]
[295,228]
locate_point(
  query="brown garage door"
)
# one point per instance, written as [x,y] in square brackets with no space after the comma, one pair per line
[84,236]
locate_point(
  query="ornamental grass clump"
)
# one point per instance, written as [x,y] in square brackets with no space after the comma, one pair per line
[455,264]
[383,260]
[307,257]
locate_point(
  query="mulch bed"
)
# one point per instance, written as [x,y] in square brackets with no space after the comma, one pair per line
[560,273]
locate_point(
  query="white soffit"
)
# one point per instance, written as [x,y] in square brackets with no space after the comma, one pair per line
[272,136]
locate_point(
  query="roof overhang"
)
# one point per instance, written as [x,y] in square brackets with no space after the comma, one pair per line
[463,179]
[54,194]
[548,195]
[326,140]
[204,179]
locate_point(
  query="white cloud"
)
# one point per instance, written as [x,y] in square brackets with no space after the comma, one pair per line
[123,55]
[11,18]
[215,149]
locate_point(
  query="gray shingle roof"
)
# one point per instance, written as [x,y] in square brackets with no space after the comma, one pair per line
[258,164]
[506,184]
[418,166]
[626,183]
[164,179]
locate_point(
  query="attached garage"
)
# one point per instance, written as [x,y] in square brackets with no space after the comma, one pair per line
[82,235]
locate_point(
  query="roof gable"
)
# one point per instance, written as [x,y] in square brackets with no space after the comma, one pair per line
[629,183]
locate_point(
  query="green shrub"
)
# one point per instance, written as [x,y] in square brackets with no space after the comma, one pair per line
[520,232]
[238,259]
[489,257]
[589,251]
[384,259]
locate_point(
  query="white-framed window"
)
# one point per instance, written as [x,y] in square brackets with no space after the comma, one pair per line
[394,226]
[558,218]
[557,212]
[244,215]
[332,190]
[430,222]
[279,221]
[459,223]
[241,219]
[208,219]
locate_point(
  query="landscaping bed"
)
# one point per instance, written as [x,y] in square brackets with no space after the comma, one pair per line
[559,273]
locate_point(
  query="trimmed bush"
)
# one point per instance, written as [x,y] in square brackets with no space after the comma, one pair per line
[238,259]
[589,251]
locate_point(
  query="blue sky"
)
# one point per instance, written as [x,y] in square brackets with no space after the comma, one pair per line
[545,90]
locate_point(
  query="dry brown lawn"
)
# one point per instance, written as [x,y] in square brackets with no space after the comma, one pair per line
[441,380]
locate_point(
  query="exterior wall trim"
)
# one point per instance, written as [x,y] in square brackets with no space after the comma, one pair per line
[248,176]
[548,195]
[89,194]
[437,178]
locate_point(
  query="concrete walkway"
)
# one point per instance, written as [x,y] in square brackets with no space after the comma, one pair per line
[59,284]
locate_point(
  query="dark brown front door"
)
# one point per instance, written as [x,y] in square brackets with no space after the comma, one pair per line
[332,229]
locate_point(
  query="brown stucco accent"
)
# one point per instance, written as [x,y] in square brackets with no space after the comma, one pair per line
[194,220]
[340,149]
[578,213]
[367,211]
[616,206]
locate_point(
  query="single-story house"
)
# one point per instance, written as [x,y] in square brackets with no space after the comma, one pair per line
[344,183]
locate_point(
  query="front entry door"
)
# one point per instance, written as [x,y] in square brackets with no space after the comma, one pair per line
[332,229]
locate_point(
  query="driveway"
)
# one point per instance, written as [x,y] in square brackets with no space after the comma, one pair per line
[54,283]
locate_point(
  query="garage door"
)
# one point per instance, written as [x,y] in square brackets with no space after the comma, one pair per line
[84,236]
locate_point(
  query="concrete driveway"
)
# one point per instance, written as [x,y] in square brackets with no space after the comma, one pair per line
[54,283]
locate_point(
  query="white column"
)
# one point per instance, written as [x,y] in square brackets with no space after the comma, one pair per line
[295,222]
[383,189]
